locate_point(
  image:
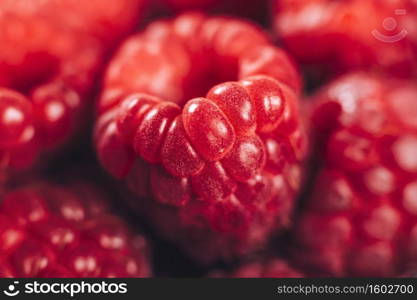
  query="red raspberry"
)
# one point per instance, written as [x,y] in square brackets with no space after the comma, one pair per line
[223,170]
[361,219]
[53,231]
[104,19]
[351,34]
[48,61]
[268,268]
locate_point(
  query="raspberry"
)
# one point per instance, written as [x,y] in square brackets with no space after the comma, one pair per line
[223,170]
[16,129]
[51,52]
[352,34]
[66,231]
[267,268]
[361,217]
[103,19]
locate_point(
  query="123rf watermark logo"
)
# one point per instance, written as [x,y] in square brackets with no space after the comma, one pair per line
[63,288]
[390,24]
[12,289]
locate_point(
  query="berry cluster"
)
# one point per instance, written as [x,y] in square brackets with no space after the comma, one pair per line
[337,36]
[204,129]
[361,219]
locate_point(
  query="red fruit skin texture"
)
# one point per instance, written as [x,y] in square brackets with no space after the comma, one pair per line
[66,231]
[52,51]
[341,36]
[106,20]
[266,268]
[220,172]
[361,218]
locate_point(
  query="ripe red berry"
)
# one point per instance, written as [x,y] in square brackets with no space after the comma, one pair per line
[106,20]
[222,169]
[50,55]
[53,231]
[361,219]
[338,36]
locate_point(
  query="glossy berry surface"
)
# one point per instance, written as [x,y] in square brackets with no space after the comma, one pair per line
[54,231]
[338,36]
[204,123]
[106,20]
[361,219]
[50,56]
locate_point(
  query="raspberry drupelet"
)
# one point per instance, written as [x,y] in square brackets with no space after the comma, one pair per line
[218,160]
[339,36]
[361,219]
[48,230]
[50,55]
